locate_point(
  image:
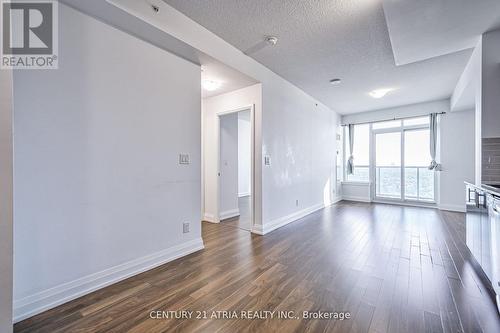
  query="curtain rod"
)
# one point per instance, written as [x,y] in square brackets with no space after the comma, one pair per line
[391,119]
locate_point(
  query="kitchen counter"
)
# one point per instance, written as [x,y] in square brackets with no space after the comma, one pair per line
[487,188]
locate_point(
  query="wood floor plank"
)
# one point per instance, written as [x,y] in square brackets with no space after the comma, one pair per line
[391,268]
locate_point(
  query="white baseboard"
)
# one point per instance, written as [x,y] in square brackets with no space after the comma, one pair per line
[453,208]
[337,199]
[209,218]
[244,194]
[282,221]
[229,213]
[355,198]
[31,305]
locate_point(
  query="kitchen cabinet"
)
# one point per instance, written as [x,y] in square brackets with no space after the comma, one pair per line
[478,228]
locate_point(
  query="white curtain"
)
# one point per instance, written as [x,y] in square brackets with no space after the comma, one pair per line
[350,161]
[433,142]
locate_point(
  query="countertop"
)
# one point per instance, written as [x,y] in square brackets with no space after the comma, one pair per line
[490,189]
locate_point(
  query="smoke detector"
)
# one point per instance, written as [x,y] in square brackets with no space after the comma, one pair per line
[271,40]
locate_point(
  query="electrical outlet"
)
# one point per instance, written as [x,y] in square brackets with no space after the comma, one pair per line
[184,159]
[267,160]
[185,227]
[297,202]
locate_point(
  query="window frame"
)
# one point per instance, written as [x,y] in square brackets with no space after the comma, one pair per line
[372,168]
[402,129]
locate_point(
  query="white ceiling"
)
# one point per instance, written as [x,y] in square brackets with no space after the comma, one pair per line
[424,29]
[213,69]
[229,78]
[349,39]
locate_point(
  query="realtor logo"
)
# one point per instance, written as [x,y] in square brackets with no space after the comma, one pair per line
[29,34]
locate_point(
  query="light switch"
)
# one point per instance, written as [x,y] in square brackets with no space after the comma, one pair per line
[267,160]
[184,159]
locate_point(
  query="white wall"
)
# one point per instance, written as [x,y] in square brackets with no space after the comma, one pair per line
[456,157]
[411,110]
[244,154]
[210,108]
[295,130]
[6,200]
[466,90]
[491,85]
[456,149]
[228,166]
[480,82]
[356,191]
[299,137]
[99,193]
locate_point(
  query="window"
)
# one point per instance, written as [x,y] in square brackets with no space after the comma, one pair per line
[387,124]
[388,164]
[416,121]
[400,159]
[361,153]
[419,180]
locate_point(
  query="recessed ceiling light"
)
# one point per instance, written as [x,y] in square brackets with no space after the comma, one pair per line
[210,85]
[379,93]
[335,82]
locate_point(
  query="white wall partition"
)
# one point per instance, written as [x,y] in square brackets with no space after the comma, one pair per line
[457,158]
[240,99]
[299,139]
[293,129]
[6,200]
[99,191]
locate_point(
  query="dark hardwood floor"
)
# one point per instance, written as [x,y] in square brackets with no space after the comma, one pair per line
[393,268]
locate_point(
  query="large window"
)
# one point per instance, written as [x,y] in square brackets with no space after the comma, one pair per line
[361,153]
[400,159]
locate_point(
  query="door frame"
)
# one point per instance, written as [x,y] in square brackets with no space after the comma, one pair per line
[251,108]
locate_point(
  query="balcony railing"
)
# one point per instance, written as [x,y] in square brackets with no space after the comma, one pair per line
[419,182]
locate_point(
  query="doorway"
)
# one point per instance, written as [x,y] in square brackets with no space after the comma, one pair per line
[233,176]
[235,168]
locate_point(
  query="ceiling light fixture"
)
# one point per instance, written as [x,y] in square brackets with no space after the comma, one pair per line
[210,85]
[379,93]
[335,82]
